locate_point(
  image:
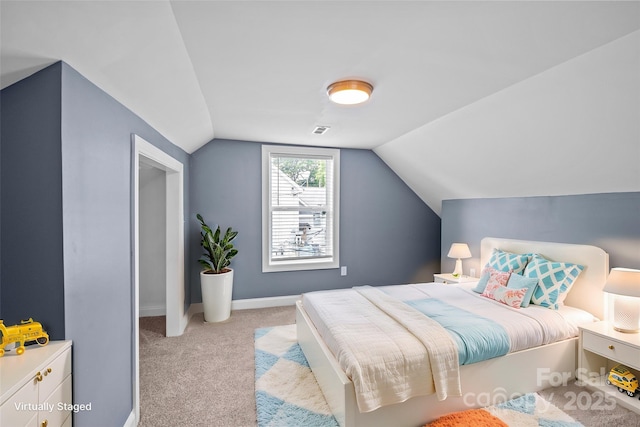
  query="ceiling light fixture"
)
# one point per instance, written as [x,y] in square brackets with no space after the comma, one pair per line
[349,92]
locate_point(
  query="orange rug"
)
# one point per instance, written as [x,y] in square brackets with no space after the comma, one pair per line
[470,417]
[527,410]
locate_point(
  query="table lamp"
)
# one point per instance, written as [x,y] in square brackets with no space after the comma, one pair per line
[459,251]
[625,284]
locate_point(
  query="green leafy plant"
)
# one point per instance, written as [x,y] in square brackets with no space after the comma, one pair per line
[218,248]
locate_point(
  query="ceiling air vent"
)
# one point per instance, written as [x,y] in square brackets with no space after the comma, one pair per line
[320,130]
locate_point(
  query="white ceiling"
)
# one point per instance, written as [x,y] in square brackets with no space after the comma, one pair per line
[258,70]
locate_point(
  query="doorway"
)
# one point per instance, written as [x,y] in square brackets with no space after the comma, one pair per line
[160,164]
[152,195]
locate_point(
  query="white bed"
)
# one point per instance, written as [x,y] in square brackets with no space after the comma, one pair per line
[483,383]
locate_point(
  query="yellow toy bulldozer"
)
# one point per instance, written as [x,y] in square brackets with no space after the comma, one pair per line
[26,331]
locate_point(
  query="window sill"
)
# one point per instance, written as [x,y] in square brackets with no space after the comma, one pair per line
[299,265]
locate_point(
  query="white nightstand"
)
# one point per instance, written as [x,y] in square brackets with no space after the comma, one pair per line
[448,278]
[601,348]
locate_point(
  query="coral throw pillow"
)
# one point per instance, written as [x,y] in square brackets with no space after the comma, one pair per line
[497,279]
[511,297]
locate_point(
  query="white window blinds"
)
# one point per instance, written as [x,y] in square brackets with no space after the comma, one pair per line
[300,216]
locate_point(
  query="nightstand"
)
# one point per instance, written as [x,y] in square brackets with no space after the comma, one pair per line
[448,278]
[601,348]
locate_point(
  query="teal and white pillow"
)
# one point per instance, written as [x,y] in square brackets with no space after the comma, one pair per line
[554,280]
[484,279]
[517,281]
[507,261]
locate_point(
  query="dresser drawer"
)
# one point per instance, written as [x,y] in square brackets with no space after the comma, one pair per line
[55,411]
[54,374]
[21,407]
[611,349]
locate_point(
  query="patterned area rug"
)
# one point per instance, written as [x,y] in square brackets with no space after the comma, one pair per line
[287,394]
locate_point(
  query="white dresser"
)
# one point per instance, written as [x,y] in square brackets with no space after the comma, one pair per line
[35,387]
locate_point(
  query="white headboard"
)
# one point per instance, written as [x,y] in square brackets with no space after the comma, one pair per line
[586,292]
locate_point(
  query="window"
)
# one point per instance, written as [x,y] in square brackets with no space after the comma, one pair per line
[300,208]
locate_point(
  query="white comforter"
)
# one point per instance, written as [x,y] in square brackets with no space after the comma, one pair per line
[356,330]
[388,363]
[527,327]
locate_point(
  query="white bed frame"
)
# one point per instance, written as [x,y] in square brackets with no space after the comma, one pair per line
[484,383]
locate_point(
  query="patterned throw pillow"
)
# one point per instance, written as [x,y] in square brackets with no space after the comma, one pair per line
[497,279]
[511,297]
[484,279]
[529,284]
[554,280]
[505,261]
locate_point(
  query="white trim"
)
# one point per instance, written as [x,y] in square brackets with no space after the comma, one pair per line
[131,420]
[252,303]
[144,152]
[332,262]
[152,311]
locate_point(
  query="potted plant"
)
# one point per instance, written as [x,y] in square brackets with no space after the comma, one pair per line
[216,278]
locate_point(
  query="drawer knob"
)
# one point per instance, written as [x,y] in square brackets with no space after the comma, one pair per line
[611,347]
[39,376]
[45,423]
[47,372]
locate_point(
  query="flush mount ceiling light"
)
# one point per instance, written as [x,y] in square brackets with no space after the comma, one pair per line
[349,92]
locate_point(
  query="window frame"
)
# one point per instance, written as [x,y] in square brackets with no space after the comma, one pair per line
[270,265]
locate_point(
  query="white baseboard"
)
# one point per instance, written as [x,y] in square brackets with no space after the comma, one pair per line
[246,304]
[131,420]
[250,303]
[193,309]
[151,311]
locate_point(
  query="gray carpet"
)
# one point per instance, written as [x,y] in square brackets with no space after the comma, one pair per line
[589,407]
[206,376]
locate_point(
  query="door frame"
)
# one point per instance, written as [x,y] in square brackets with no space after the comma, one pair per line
[176,317]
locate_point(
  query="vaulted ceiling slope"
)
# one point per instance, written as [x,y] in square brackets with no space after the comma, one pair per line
[465,93]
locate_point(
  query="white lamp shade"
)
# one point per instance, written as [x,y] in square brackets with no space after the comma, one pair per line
[459,250]
[623,281]
[625,284]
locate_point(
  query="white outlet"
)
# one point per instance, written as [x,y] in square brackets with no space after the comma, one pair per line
[343,270]
[472,272]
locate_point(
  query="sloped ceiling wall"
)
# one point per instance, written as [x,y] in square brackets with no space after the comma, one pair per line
[573,129]
[471,99]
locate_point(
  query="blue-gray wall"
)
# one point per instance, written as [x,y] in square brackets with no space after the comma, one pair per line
[387,234]
[32,278]
[85,148]
[610,221]
[98,213]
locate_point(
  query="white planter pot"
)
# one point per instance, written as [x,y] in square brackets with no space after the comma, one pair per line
[216,295]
